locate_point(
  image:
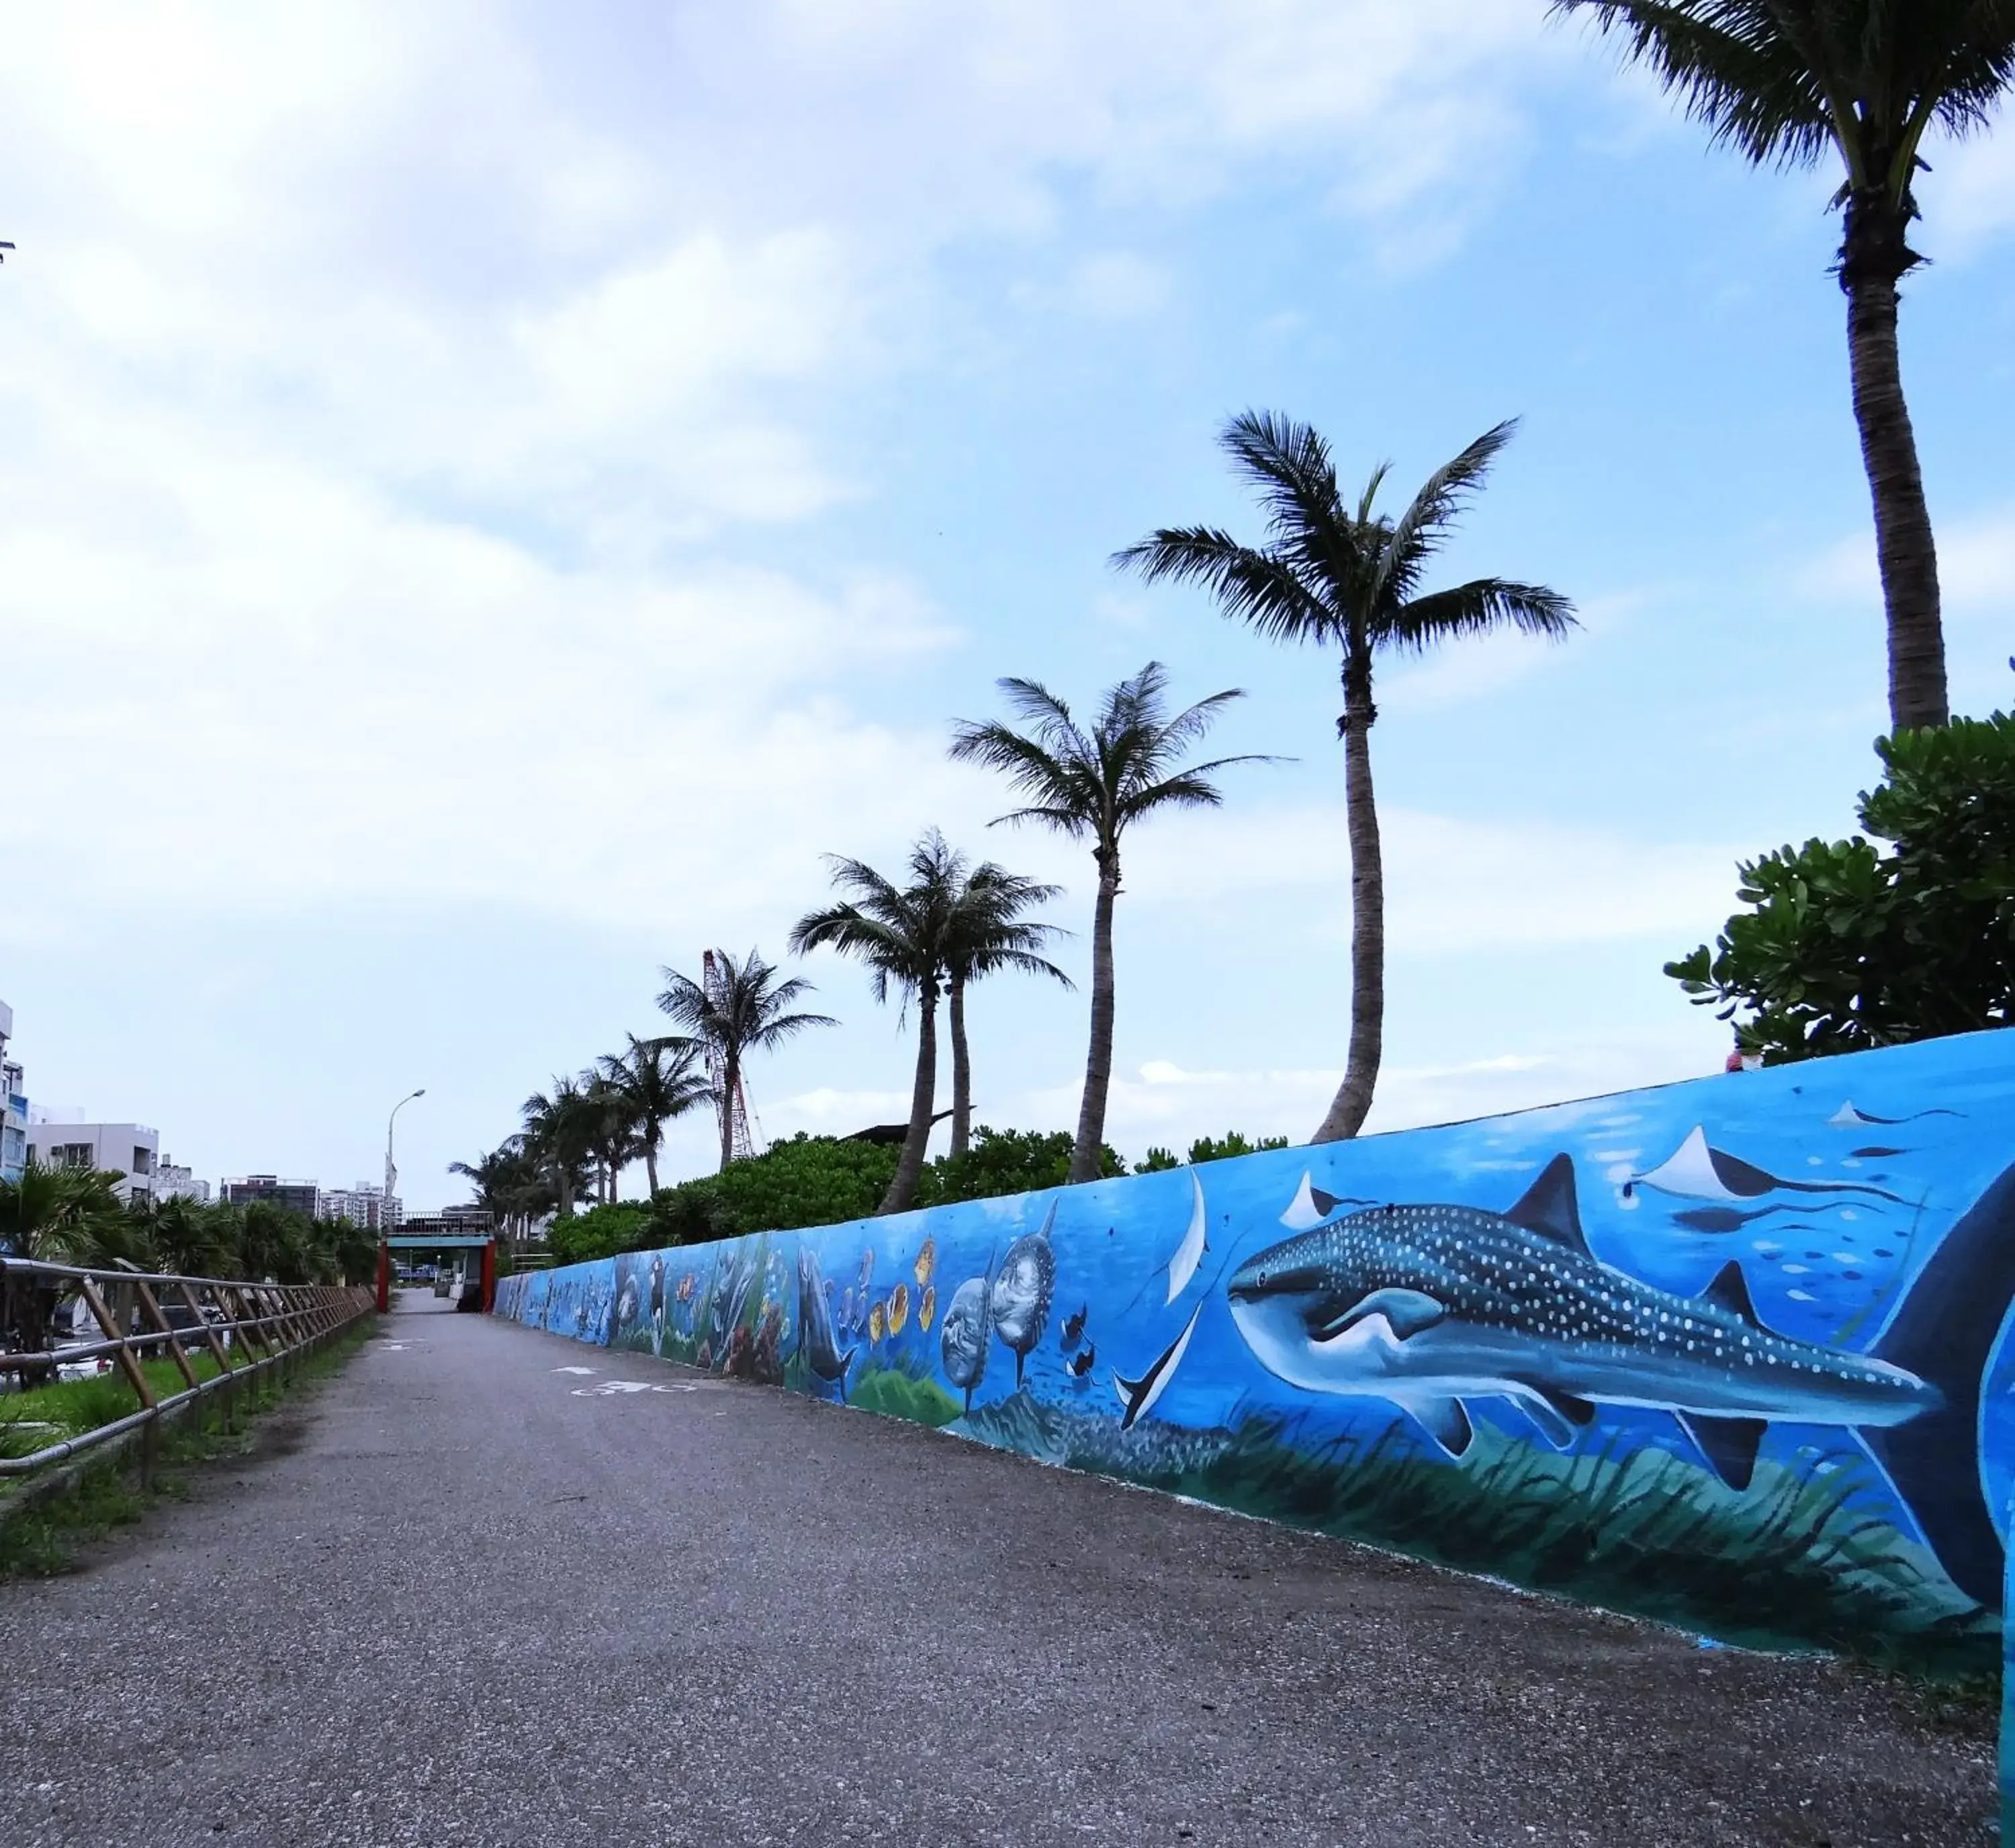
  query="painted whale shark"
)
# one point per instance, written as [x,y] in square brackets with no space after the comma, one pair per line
[1427,1307]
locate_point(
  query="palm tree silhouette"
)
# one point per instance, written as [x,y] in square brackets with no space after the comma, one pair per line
[750,1012]
[1093,785]
[989,935]
[1349,579]
[1784,80]
[656,1080]
[560,1132]
[903,935]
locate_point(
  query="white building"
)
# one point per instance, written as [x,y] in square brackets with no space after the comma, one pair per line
[130,1150]
[13,1105]
[361,1205]
[172,1182]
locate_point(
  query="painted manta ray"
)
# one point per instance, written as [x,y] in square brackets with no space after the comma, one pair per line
[817,1344]
[1428,1306]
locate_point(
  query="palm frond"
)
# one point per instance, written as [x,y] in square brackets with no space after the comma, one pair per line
[1424,527]
[1479,606]
[1252,586]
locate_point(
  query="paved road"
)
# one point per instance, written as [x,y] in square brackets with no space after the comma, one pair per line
[476,1597]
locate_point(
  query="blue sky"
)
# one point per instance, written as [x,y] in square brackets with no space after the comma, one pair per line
[490,498]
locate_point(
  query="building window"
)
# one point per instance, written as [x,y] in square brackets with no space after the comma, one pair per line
[143,1160]
[71,1155]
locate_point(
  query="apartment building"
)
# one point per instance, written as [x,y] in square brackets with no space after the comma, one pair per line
[14,1104]
[363,1204]
[294,1196]
[130,1150]
[174,1183]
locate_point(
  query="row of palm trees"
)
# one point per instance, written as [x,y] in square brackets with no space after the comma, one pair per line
[1329,570]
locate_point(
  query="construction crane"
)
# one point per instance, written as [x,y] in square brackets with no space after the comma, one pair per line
[744,1129]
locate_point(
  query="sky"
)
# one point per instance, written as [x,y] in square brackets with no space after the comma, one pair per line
[491,494]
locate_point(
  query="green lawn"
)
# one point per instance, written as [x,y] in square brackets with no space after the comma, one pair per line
[31,1421]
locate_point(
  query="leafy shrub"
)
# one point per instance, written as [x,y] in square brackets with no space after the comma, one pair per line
[1223,1148]
[601,1231]
[1847,947]
[1004,1161]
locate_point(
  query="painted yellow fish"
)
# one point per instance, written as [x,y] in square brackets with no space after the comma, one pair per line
[875,1324]
[927,1310]
[686,1287]
[898,1308]
[927,1261]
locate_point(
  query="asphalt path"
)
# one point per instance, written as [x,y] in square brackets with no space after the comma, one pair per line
[492,1587]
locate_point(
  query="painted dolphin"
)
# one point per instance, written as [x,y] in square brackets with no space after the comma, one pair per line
[817,1344]
[1137,1397]
[1695,1171]
[1427,1306]
[1189,1254]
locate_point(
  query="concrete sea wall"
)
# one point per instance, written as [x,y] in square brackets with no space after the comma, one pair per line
[1728,1354]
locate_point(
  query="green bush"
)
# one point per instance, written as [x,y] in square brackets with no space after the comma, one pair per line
[601,1231]
[1004,1161]
[1846,946]
[1223,1148]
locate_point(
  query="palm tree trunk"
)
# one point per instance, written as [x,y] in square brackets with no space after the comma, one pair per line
[1352,1101]
[923,1100]
[961,1072]
[1086,1157]
[1874,257]
[730,1074]
[650,1162]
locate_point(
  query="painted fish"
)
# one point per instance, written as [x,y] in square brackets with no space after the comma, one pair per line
[898,1308]
[817,1346]
[875,1324]
[962,1341]
[1423,1306]
[1081,1363]
[1137,1397]
[1074,1328]
[1020,1297]
[1189,1254]
[686,1287]
[927,1261]
[927,1310]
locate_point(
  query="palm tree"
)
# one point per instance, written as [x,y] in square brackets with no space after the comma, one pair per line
[559,1134]
[658,1080]
[510,1184]
[1093,785]
[903,935]
[748,1011]
[612,1134]
[1784,80]
[1349,579]
[989,934]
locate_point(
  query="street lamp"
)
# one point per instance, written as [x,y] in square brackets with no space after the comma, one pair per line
[392,1173]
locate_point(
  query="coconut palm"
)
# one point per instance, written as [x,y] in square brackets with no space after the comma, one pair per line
[750,1011]
[1783,81]
[657,1080]
[560,1130]
[903,933]
[1093,785]
[1349,578]
[988,935]
[510,1184]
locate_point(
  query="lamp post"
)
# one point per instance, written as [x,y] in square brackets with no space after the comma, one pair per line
[391,1172]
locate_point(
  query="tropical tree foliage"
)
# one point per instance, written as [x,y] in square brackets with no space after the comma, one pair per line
[1346,576]
[989,935]
[1092,784]
[1788,83]
[1846,946]
[752,1010]
[562,1127]
[652,1082]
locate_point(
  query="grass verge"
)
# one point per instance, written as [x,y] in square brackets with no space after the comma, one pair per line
[40,1535]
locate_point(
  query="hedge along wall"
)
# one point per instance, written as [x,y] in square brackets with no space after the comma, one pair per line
[1728,1354]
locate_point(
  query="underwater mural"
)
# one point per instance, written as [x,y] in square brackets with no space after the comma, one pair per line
[1730,1354]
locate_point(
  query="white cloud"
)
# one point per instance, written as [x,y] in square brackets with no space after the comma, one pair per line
[1452,885]
[1970,201]
[1976,566]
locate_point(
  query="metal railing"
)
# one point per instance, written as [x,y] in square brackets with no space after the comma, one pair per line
[246,1329]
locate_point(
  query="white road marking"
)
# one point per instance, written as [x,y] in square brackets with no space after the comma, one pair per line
[610,1389]
[582,1371]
